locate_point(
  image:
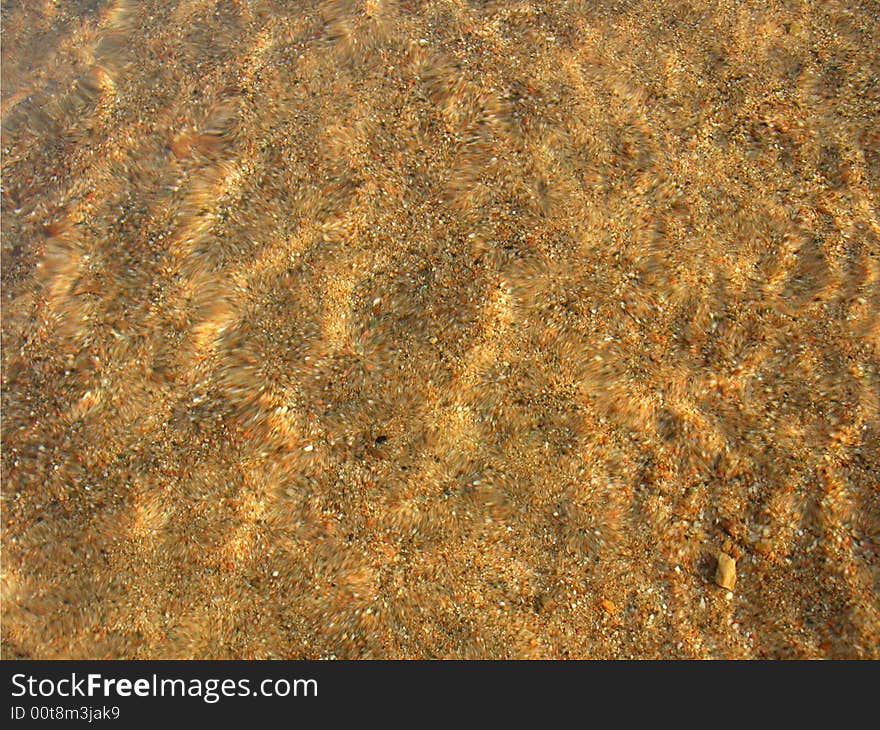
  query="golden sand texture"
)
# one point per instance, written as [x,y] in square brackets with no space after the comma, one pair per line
[440,329]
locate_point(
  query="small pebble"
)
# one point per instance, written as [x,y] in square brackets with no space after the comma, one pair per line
[725,573]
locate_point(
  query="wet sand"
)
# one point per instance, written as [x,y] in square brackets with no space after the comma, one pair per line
[440,329]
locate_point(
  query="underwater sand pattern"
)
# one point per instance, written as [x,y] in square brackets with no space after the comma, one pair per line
[440,329]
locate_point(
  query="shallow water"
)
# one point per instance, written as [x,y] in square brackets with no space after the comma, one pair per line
[440,329]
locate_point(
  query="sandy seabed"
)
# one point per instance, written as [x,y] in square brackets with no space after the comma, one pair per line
[440,329]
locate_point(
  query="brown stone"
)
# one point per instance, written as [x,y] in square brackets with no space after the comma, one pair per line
[725,573]
[727,525]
